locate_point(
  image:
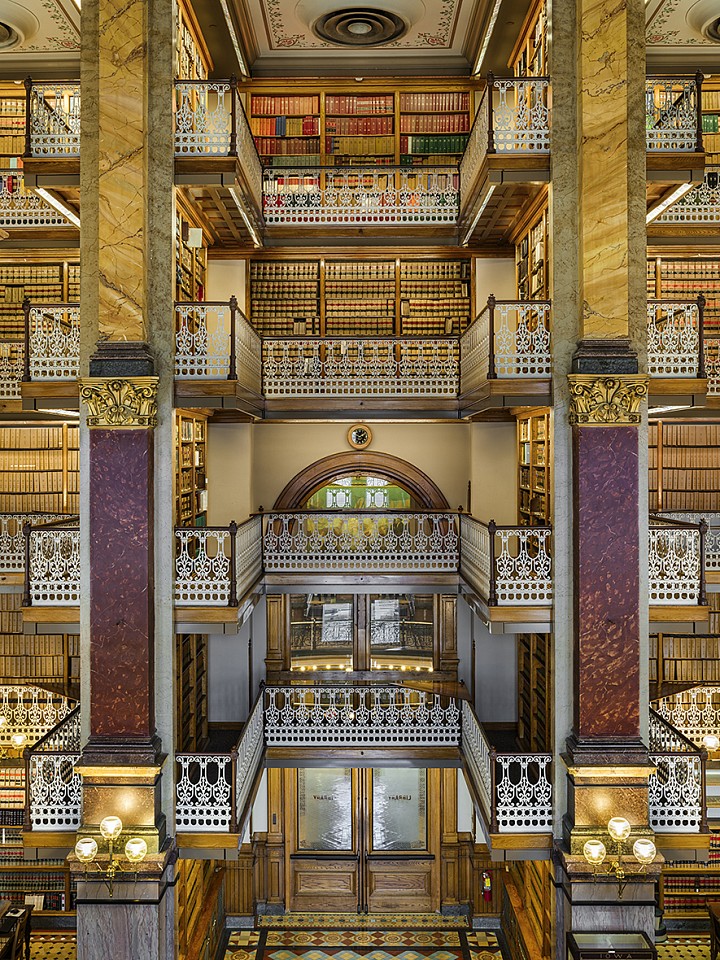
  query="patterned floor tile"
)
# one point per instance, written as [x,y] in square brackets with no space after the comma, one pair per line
[370,921]
[684,948]
[363,938]
[53,946]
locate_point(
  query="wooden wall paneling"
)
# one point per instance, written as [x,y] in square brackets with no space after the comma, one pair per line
[277,629]
[447,619]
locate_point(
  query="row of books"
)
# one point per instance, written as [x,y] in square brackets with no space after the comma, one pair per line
[359,126]
[285,126]
[696,481]
[13,642]
[699,671]
[361,270]
[688,434]
[685,648]
[360,146]
[686,500]
[435,270]
[445,102]
[31,667]
[435,123]
[284,270]
[33,460]
[30,482]
[268,146]
[437,143]
[683,457]
[25,502]
[294,105]
[359,105]
[711,99]
[710,123]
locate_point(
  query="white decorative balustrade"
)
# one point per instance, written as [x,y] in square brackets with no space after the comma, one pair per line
[210,121]
[673,113]
[694,713]
[214,341]
[360,367]
[675,337]
[52,572]
[23,208]
[54,114]
[508,340]
[700,205]
[31,710]
[322,541]
[712,536]
[12,539]
[523,793]
[675,562]
[217,565]
[712,366]
[248,759]
[52,337]
[12,365]
[54,787]
[676,791]
[507,564]
[372,716]
[203,792]
[479,758]
[373,196]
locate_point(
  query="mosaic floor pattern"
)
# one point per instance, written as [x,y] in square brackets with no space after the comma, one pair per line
[355,921]
[53,946]
[684,948]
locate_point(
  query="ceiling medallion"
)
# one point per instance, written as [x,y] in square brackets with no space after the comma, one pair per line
[360,27]
[8,36]
[703,19]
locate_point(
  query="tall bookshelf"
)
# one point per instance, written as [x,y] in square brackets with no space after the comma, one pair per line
[533,436]
[190,262]
[199,913]
[711,122]
[341,127]
[685,888]
[192,58]
[42,282]
[534,692]
[191,495]
[39,469]
[683,278]
[371,297]
[531,260]
[52,660]
[192,720]
[529,56]
[684,465]
[12,124]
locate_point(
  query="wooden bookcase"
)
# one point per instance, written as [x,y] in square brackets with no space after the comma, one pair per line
[531,259]
[529,56]
[39,469]
[685,888]
[192,57]
[341,126]
[684,658]
[50,659]
[684,465]
[534,692]
[683,278]
[199,908]
[711,122]
[12,122]
[534,889]
[368,297]
[191,493]
[190,263]
[42,282]
[192,722]
[534,507]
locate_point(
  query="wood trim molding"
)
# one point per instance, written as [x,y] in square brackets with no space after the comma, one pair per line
[427,494]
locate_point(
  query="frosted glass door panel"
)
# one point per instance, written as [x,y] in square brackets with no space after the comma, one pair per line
[324,806]
[399,809]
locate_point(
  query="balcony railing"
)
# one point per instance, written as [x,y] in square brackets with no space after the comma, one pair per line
[360,367]
[507,564]
[30,710]
[700,205]
[675,338]
[52,118]
[676,791]
[695,713]
[676,561]
[712,534]
[54,789]
[673,113]
[514,789]
[52,563]
[214,341]
[712,366]
[12,365]
[23,208]
[217,565]
[12,538]
[371,540]
[373,196]
[510,339]
[52,341]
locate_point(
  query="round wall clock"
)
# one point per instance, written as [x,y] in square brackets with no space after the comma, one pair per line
[359,436]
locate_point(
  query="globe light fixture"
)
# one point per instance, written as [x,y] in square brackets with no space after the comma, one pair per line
[111,828]
[619,830]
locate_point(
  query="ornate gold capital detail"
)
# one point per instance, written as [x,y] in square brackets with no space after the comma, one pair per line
[127,402]
[602,401]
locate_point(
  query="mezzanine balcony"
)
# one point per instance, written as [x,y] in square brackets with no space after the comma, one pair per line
[673,130]
[697,207]
[676,350]
[24,212]
[676,572]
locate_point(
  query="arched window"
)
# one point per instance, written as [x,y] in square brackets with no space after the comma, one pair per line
[361,491]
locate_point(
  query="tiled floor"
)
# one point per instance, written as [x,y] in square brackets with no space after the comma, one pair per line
[684,948]
[360,921]
[53,946]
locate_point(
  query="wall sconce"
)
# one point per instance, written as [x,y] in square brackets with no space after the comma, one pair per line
[619,829]
[86,850]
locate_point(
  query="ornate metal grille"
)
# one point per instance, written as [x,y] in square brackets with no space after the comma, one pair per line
[202,566]
[250,751]
[377,196]
[712,366]
[694,713]
[30,710]
[712,537]
[521,115]
[359,717]
[249,562]
[360,540]
[203,792]
[211,343]
[519,332]
[671,113]
[12,540]
[22,208]
[54,119]
[507,565]
[699,205]
[55,791]
[351,367]
[674,565]
[523,793]
[12,358]
[54,574]
[479,757]
[673,330]
[54,341]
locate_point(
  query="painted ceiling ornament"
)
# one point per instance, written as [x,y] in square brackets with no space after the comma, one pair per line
[606,400]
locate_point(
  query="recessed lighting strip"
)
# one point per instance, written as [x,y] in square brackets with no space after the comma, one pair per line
[58,205]
[234,37]
[654,212]
[486,40]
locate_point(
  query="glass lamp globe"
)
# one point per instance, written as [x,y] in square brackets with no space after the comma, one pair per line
[18,740]
[3,720]
[594,852]
[86,849]
[619,829]
[644,850]
[111,827]
[711,742]
[136,849]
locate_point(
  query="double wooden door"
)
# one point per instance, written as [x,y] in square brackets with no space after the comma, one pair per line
[365,840]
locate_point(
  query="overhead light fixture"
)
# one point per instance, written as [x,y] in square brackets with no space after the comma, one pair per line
[662,205]
[234,37]
[58,205]
[480,212]
[486,39]
[246,219]
[619,829]
[86,850]
[652,411]
[59,410]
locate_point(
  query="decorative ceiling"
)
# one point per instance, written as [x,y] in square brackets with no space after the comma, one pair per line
[43,34]
[674,33]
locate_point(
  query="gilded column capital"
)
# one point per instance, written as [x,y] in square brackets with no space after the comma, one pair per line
[602,401]
[125,402]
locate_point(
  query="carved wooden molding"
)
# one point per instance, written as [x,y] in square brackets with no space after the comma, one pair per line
[125,402]
[602,401]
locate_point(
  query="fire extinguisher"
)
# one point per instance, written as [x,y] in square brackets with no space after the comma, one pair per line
[486,886]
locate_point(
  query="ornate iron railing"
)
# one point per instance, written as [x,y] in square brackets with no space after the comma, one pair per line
[52,563]
[364,716]
[509,339]
[315,540]
[675,338]
[12,539]
[214,341]
[507,564]
[12,366]
[23,208]
[673,113]
[695,713]
[54,789]
[479,758]
[712,366]
[523,793]
[248,754]
[210,121]
[676,791]
[374,196]
[365,367]
[700,205]
[30,710]
[712,534]
[52,118]
[217,565]
[52,341]
[676,561]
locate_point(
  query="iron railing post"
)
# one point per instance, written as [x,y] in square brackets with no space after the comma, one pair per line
[27,599]
[702,599]
[232,598]
[233,790]
[703,792]
[28,115]
[27,819]
[492,373]
[491,135]
[26,329]
[699,147]
[233,151]
[492,592]
[232,373]
[493,791]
